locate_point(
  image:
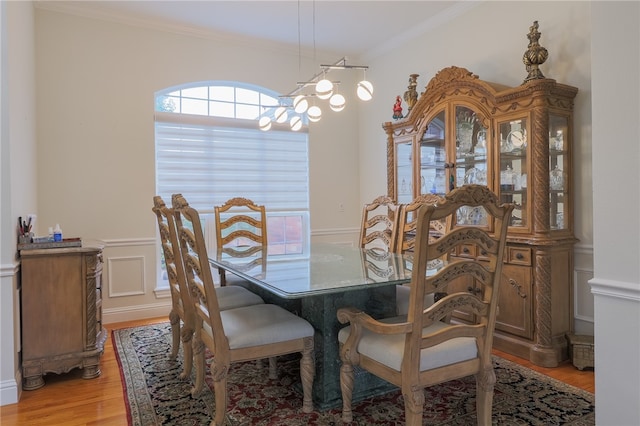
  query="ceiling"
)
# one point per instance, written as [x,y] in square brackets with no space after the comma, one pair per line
[347,28]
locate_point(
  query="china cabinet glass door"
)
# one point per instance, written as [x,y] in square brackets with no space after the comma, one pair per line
[470,166]
[513,168]
[433,157]
[558,166]
[404,171]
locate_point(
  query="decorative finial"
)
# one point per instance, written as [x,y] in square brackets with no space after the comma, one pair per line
[535,55]
[411,95]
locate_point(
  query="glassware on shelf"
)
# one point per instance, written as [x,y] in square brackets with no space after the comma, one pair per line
[467,215]
[505,145]
[507,179]
[439,183]
[556,142]
[474,175]
[480,150]
[403,187]
[465,120]
[556,179]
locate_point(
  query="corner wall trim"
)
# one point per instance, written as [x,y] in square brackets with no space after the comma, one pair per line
[8,392]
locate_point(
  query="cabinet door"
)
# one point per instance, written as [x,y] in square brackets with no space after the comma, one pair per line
[516,301]
[514,177]
[433,158]
[559,169]
[404,171]
[459,285]
[471,160]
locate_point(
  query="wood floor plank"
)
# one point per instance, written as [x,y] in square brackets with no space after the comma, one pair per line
[70,400]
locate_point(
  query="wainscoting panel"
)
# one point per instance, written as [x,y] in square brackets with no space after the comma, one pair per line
[583,310]
[128,271]
[583,299]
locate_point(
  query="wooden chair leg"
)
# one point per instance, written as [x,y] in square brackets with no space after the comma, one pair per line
[187,347]
[413,406]
[346,385]
[198,358]
[307,373]
[219,374]
[174,320]
[485,383]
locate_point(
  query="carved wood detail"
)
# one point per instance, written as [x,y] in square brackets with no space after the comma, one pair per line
[529,323]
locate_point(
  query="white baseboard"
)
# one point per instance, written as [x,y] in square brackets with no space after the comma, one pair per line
[9,392]
[138,312]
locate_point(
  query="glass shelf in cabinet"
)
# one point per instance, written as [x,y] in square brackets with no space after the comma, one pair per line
[471,159]
[507,156]
[504,190]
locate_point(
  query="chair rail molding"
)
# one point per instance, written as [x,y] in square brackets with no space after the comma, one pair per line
[615,289]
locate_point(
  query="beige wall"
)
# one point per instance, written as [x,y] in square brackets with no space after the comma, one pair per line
[18,170]
[96,84]
[616,149]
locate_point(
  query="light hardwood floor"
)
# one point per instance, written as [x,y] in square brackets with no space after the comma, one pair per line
[69,400]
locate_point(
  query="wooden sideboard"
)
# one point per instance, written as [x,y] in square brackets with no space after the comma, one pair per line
[61,312]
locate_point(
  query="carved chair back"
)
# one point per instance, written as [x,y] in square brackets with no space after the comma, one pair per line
[422,349]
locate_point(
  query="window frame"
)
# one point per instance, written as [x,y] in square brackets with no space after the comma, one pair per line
[266,100]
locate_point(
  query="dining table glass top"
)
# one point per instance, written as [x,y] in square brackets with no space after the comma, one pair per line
[326,268]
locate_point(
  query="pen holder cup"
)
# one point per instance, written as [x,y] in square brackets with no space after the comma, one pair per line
[25,239]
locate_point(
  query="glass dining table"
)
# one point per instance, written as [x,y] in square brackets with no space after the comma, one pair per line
[315,285]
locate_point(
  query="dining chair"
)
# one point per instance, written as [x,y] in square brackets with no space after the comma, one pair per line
[239,222]
[182,305]
[406,238]
[379,224]
[420,350]
[236,335]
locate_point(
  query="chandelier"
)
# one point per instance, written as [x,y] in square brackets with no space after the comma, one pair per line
[300,102]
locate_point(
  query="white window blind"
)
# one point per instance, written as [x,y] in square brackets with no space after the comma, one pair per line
[209,149]
[209,162]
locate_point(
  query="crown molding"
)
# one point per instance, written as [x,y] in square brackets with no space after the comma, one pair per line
[91,11]
[429,24]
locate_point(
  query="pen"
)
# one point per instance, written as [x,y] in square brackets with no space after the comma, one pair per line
[20,225]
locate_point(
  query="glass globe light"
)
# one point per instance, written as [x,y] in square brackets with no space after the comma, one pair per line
[264,123]
[296,123]
[314,113]
[324,89]
[337,102]
[300,104]
[281,114]
[365,90]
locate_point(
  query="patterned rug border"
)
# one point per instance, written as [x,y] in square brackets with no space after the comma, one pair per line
[141,412]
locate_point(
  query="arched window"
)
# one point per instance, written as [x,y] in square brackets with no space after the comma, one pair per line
[209,148]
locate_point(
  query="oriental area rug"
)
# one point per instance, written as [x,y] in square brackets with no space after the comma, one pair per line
[154,394]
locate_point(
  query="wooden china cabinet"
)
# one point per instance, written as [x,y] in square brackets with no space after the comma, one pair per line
[518,142]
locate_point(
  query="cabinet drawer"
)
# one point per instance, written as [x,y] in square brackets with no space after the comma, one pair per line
[518,256]
[467,250]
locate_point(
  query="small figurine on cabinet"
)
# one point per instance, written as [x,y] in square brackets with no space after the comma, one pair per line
[397,108]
